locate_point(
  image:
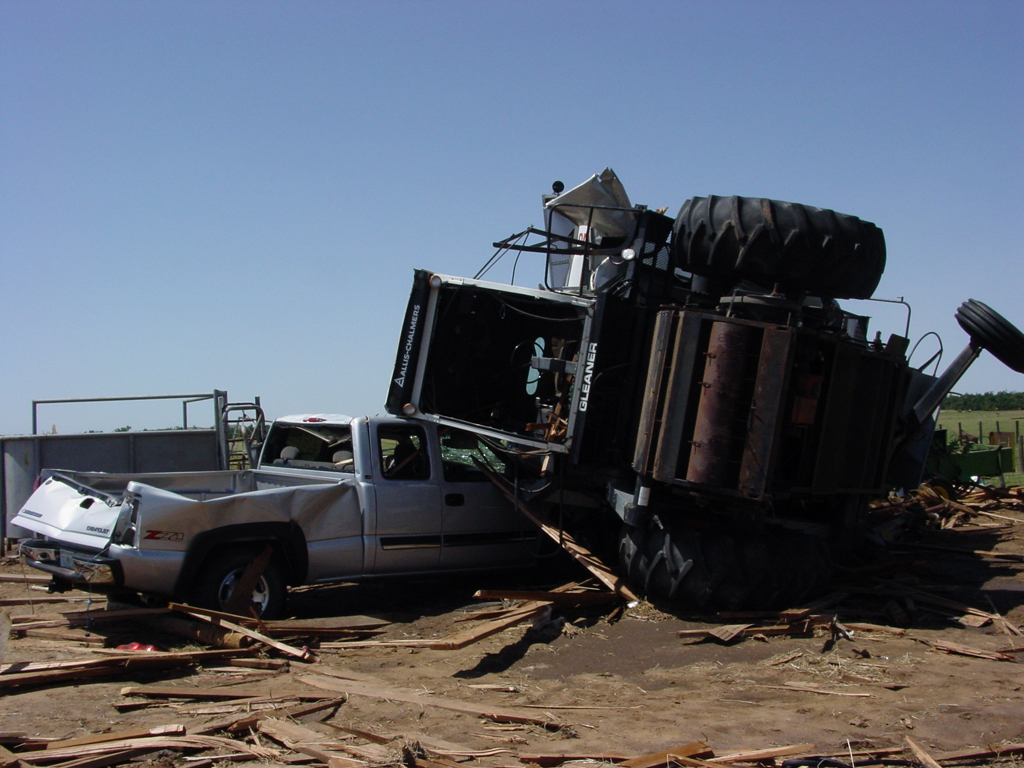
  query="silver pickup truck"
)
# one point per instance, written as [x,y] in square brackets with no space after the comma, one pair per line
[336,498]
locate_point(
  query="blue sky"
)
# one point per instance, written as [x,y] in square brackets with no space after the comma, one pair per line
[234,195]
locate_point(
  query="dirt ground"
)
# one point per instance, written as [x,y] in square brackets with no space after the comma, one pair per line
[626,685]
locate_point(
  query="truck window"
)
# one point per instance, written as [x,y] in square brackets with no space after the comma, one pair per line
[313,446]
[403,452]
[462,452]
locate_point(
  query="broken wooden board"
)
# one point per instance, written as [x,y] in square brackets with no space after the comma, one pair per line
[670,756]
[99,738]
[471,635]
[965,650]
[759,755]
[817,606]
[921,753]
[380,691]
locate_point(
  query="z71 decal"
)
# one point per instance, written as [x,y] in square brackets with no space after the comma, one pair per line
[164,535]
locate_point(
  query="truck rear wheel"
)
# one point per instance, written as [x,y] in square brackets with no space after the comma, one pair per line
[709,570]
[223,569]
[803,249]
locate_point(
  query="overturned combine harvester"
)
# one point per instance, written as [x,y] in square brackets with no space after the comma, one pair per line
[688,390]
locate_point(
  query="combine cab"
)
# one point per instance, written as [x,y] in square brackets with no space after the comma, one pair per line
[688,391]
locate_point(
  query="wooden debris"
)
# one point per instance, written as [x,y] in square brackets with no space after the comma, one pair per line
[257,709]
[728,632]
[473,634]
[99,738]
[173,742]
[920,753]
[965,650]
[667,757]
[6,601]
[30,675]
[302,654]
[993,751]
[309,742]
[359,688]
[799,614]
[763,755]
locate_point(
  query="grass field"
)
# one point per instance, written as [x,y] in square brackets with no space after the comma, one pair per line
[989,421]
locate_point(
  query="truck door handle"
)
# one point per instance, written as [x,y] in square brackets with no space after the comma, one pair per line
[454,499]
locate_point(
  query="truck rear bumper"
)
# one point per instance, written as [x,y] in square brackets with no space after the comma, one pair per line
[73,565]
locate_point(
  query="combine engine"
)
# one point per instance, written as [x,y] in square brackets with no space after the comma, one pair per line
[688,392]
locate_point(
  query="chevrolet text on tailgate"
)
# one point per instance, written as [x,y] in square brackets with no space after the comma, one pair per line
[333,498]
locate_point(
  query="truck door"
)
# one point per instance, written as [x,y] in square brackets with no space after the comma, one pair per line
[481,527]
[407,528]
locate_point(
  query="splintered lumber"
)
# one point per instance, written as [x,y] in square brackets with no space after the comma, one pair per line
[759,755]
[249,720]
[76,618]
[921,753]
[28,674]
[110,758]
[581,554]
[300,653]
[70,635]
[188,692]
[379,691]
[698,749]
[4,601]
[994,750]
[99,738]
[162,742]
[309,742]
[965,650]
[471,635]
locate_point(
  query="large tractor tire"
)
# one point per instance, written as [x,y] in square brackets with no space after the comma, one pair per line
[990,330]
[707,570]
[767,242]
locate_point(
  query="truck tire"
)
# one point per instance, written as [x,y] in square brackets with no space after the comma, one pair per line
[224,567]
[708,570]
[802,249]
[990,330]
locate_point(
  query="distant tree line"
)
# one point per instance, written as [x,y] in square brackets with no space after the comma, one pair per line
[986,401]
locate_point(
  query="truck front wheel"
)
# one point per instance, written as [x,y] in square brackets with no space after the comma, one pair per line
[222,571]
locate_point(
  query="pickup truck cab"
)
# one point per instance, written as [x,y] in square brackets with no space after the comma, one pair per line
[335,498]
